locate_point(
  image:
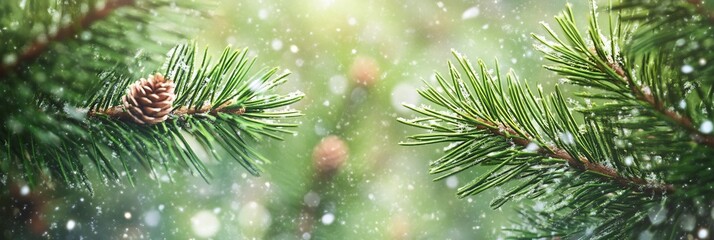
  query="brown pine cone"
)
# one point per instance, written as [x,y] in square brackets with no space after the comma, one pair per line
[364,71]
[329,155]
[149,101]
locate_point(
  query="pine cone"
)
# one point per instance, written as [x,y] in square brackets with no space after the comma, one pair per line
[149,101]
[329,155]
[365,71]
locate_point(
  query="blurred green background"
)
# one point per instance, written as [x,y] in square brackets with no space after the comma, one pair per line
[357,61]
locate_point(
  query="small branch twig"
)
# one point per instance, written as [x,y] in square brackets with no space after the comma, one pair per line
[118,112]
[673,116]
[583,164]
[701,9]
[36,48]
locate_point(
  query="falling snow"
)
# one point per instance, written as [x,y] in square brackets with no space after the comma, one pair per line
[646,235]
[703,233]
[706,127]
[71,224]
[24,190]
[471,12]
[383,190]
[152,218]
[403,93]
[532,147]
[629,160]
[657,214]
[205,224]
[276,44]
[452,182]
[567,138]
[687,222]
[328,218]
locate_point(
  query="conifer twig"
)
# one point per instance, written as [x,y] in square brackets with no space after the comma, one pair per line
[596,167]
[675,117]
[36,48]
[699,6]
[118,112]
[672,116]
[581,164]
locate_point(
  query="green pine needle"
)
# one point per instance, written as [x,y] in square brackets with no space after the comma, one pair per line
[590,167]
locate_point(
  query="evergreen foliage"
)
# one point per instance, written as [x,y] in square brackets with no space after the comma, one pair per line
[65,70]
[628,159]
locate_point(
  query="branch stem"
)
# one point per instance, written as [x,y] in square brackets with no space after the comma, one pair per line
[36,48]
[118,112]
[677,118]
[671,115]
[582,164]
[701,9]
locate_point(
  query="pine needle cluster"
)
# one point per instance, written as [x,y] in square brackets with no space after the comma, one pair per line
[67,65]
[628,156]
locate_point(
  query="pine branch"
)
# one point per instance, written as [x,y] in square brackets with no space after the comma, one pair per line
[36,48]
[118,112]
[219,106]
[691,19]
[598,64]
[91,36]
[672,116]
[648,98]
[230,102]
[595,169]
[484,110]
[581,163]
[47,132]
[702,10]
